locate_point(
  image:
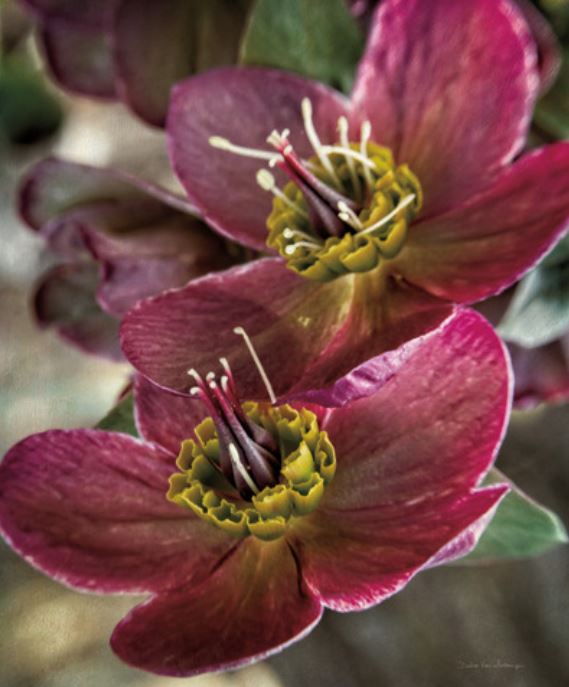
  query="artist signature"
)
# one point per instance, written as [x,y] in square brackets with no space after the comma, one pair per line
[496,664]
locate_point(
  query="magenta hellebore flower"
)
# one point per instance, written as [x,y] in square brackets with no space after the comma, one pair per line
[274,512]
[119,239]
[384,208]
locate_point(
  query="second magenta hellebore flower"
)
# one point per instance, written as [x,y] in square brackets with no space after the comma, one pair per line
[383,207]
[273,512]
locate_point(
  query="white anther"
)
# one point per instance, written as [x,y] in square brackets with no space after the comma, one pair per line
[347,215]
[238,465]
[225,365]
[365,133]
[390,215]
[306,108]
[267,182]
[345,143]
[209,376]
[289,233]
[212,384]
[241,332]
[223,144]
[195,374]
[195,390]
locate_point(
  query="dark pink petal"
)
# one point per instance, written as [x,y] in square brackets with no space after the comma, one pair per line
[289,318]
[548,49]
[355,559]
[541,374]
[432,427]
[163,417]
[162,255]
[65,300]
[89,509]
[254,605]
[450,87]
[479,249]
[177,37]
[53,188]
[76,42]
[243,105]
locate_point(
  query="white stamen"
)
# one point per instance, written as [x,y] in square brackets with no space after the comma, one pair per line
[390,215]
[225,383]
[291,249]
[241,332]
[306,107]
[224,144]
[267,182]
[209,376]
[345,143]
[347,215]
[364,138]
[349,154]
[195,390]
[225,365]
[236,461]
[195,374]
[289,233]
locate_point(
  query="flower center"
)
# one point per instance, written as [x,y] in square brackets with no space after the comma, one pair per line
[344,210]
[253,467]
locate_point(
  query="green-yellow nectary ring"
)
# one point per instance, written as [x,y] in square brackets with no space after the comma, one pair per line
[308,464]
[355,251]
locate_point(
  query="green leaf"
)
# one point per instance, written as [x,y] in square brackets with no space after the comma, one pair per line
[320,40]
[120,418]
[520,528]
[539,311]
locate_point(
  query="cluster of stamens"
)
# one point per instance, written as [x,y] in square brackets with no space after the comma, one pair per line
[345,209]
[253,467]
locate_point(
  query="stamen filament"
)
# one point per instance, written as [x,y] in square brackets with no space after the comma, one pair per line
[241,332]
[348,153]
[364,138]
[347,215]
[291,249]
[345,143]
[223,144]
[267,182]
[306,108]
[238,465]
[289,233]
[401,205]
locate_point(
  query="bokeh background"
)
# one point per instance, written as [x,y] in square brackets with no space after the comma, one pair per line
[505,624]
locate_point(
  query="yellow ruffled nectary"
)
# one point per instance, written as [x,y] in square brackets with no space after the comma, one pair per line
[307,465]
[391,198]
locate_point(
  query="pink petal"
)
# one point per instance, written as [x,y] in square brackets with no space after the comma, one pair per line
[548,48]
[65,299]
[479,249]
[177,38]
[75,41]
[433,426]
[541,374]
[162,255]
[252,606]
[355,559]
[163,417]
[450,86]
[243,105]
[289,318]
[89,509]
